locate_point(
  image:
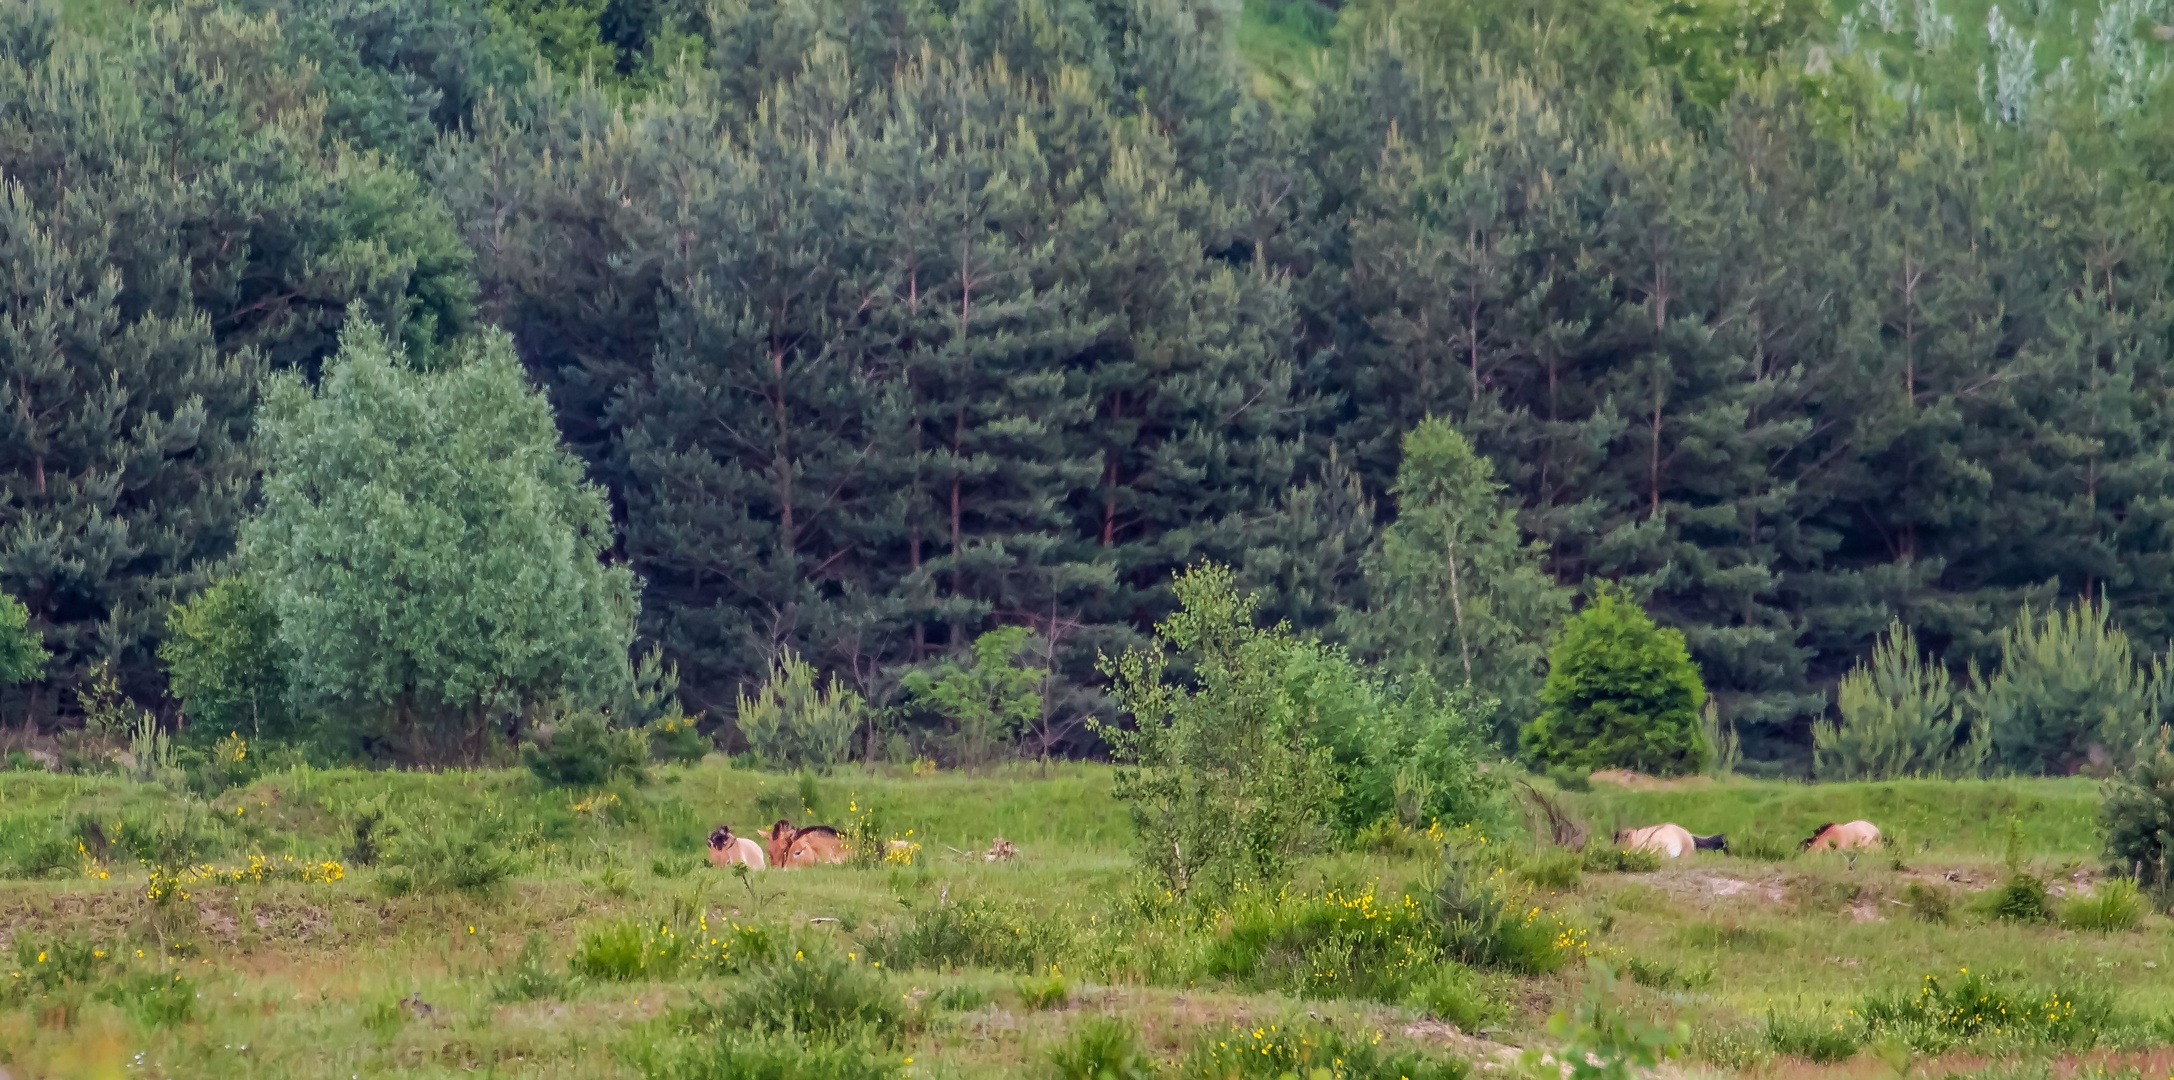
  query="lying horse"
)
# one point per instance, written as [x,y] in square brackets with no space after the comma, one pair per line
[811,846]
[727,849]
[1832,837]
[1671,841]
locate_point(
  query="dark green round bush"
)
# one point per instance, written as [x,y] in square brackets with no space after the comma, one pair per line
[1621,693]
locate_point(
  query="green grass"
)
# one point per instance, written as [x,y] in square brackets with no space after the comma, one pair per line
[612,949]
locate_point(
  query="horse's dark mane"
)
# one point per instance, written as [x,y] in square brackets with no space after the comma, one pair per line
[1816,834]
[825,830]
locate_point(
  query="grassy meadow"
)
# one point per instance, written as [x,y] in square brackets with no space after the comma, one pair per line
[504,928]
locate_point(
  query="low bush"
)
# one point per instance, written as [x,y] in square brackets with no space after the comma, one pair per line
[1737,1048]
[1454,993]
[1309,1049]
[1103,1048]
[1484,923]
[957,998]
[626,951]
[2020,898]
[472,859]
[1928,902]
[1049,991]
[817,996]
[1708,935]
[153,998]
[584,751]
[1815,1039]
[974,932]
[1553,868]
[1609,859]
[1941,1014]
[2115,906]
[1333,945]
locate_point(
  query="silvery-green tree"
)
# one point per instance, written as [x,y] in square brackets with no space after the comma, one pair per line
[434,556]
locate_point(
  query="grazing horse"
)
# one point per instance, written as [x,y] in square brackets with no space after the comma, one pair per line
[727,849]
[1832,837]
[1671,841]
[810,846]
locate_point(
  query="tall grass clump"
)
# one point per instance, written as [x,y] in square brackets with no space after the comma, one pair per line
[1899,719]
[1332,945]
[627,950]
[734,1055]
[451,858]
[2117,905]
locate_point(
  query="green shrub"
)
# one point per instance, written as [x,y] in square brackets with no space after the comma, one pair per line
[1943,1013]
[530,976]
[583,750]
[1454,992]
[973,932]
[1482,923]
[1309,1049]
[1569,778]
[153,998]
[733,1055]
[1553,868]
[1600,1040]
[1048,991]
[793,722]
[1609,859]
[1816,1040]
[1103,1048]
[1928,902]
[1328,945]
[1898,720]
[470,859]
[224,660]
[1620,693]
[2115,906]
[2019,898]
[987,701]
[1735,1047]
[818,996]
[627,950]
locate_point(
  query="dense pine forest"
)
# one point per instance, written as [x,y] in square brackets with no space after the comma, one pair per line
[855,332]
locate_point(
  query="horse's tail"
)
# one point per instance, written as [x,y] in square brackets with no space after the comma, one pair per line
[1716,842]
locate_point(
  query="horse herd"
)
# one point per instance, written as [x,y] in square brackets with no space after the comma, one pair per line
[789,848]
[1673,841]
[785,847]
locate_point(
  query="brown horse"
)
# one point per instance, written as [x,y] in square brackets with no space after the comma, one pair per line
[1831,837]
[791,848]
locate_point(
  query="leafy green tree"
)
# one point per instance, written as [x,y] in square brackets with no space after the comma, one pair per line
[990,699]
[432,555]
[1458,596]
[1227,779]
[1899,719]
[2070,692]
[22,654]
[225,661]
[1620,693]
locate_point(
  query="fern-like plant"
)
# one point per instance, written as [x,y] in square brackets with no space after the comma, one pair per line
[1899,718]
